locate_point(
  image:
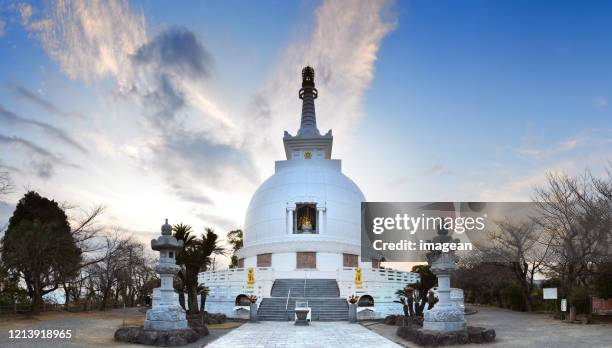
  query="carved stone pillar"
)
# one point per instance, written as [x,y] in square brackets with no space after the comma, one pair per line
[289,220]
[321,219]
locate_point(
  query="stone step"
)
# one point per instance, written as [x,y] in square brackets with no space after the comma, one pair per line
[322,296]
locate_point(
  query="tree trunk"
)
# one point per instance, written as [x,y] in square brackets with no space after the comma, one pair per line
[181,298]
[192,299]
[37,302]
[202,303]
[105,298]
[411,306]
[66,295]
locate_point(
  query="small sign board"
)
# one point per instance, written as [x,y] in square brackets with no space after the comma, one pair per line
[563,305]
[550,293]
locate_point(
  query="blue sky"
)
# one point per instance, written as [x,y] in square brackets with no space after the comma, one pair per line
[176,109]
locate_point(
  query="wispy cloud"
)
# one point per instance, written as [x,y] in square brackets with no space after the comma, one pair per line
[40,160]
[601,102]
[190,138]
[342,47]
[529,149]
[46,128]
[166,74]
[89,39]
[39,101]
[438,169]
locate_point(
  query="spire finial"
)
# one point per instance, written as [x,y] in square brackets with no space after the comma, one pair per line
[308,77]
[308,93]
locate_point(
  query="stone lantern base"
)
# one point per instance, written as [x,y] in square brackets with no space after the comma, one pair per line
[166,317]
[444,319]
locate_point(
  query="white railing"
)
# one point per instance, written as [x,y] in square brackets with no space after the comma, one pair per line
[287,304]
[379,275]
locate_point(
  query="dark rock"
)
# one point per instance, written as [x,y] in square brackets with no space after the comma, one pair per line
[390,319]
[429,339]
[475,334]
[401,331]
[463,337]
[170,338]
[127,334]
[215,318]
[488,335]
[447,339]
[413,332]
[148,337]
[410,333]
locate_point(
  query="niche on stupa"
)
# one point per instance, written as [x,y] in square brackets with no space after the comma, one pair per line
[305,218]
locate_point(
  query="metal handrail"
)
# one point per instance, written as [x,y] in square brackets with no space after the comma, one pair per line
[287,304]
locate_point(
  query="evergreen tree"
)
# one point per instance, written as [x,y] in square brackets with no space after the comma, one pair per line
[38,246]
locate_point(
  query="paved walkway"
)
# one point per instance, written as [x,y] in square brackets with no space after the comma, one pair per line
[317,334]
[522,330]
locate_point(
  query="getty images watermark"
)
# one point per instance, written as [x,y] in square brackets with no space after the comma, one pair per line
[404,231]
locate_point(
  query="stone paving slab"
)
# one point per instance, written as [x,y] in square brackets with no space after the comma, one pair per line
[270,334]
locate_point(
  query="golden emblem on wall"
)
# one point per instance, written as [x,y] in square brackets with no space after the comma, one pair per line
[358,281]
[307,155]
[250,277]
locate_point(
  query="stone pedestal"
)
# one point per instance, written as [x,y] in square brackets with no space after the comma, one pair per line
[352,315]
[253,313]
[302,315]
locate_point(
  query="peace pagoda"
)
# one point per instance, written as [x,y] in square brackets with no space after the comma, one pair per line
[302,238]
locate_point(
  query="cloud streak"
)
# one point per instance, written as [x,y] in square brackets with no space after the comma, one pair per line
[46,128]
[39,101]
[342,48]
[201,150]
[40,160]
[89,39]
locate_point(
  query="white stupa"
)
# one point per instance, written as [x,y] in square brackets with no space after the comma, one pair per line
[302,235]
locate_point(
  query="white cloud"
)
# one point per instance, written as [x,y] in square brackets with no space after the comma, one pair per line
[342,48]
[203,145]
[531,150]
[601,102]
[89,39]
[439,169]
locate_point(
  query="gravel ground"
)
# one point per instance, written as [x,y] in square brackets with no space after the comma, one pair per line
[91,329]
[516,329]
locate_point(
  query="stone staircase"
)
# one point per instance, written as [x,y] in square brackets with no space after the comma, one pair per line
[322,295]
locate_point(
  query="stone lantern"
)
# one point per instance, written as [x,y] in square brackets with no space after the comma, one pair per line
[446,315]
[166,313]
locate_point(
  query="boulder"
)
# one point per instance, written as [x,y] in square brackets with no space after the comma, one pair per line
[215,318]
[488,335]
[447,339]
[475,334]
[147,337]
[463,337]
[162,338]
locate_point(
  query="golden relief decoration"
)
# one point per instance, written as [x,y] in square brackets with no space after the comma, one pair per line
[307,155]
[250,277]
[358,281]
